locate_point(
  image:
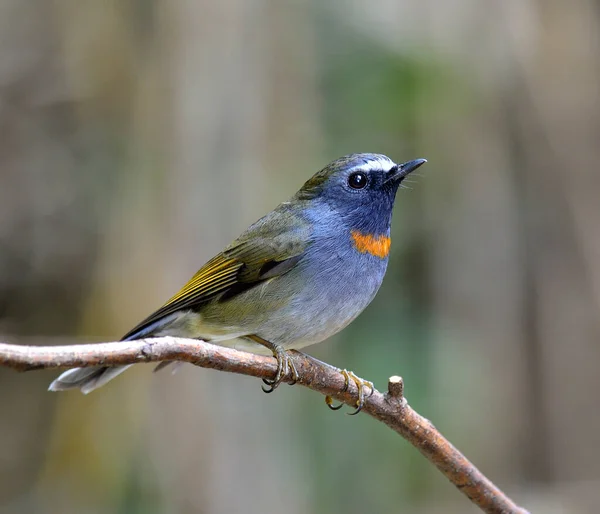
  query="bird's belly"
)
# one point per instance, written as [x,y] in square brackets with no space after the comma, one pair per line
[323,304]
[290,328]
[295,310]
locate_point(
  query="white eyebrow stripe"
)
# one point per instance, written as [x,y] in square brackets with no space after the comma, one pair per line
[380,162]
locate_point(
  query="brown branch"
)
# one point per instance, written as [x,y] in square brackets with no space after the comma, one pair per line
[390,408]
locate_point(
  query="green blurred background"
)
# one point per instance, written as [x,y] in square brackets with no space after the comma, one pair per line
[139,137]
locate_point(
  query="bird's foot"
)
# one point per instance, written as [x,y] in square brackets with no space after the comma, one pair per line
[285,364]
[361,385]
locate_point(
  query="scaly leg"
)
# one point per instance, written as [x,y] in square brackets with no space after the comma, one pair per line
[284,364]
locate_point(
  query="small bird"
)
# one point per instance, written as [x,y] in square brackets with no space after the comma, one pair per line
[295,277]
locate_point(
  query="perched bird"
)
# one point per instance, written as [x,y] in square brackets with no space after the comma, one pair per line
[295,277]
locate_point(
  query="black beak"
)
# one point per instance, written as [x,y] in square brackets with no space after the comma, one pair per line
[402,170]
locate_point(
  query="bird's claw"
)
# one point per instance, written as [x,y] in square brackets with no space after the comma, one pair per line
[360,385]
[285,364]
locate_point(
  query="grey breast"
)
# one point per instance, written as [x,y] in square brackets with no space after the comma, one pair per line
[331,286]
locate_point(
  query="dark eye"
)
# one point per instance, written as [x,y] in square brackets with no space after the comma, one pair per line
[358,180]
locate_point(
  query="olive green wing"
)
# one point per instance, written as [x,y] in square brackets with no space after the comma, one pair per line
[269,248]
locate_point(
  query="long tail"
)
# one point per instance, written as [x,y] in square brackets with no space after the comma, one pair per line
[86,379]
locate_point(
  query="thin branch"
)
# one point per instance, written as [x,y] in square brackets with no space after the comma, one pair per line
[390,408]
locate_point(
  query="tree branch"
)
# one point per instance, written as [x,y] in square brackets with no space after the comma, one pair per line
[390,408]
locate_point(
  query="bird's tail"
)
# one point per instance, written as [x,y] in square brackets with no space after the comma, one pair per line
[86,379]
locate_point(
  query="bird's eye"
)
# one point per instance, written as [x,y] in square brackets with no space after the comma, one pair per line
[358,180]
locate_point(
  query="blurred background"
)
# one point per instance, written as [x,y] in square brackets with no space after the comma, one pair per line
[139,137]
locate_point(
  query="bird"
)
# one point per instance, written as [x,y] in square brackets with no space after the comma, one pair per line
[294,278]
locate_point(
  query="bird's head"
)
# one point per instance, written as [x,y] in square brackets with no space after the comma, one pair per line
[361,188]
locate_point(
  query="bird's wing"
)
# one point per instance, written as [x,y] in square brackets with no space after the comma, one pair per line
[269,248]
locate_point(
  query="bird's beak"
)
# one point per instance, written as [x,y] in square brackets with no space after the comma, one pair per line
[402,170]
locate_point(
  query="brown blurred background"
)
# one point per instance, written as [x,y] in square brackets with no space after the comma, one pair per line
[139,137]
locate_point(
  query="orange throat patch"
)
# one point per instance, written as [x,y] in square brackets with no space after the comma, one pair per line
[378,246]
